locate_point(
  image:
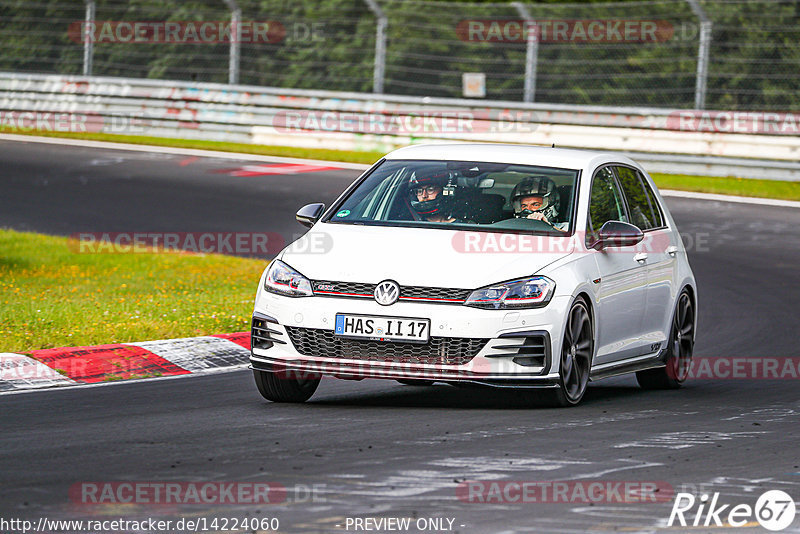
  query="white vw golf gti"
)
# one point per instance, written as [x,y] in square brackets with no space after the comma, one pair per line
[505,266]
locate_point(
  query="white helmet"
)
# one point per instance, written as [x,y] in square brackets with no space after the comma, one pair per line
[536,186]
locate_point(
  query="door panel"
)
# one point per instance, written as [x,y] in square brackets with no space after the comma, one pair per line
[659,244]
[622,287]
[621,302]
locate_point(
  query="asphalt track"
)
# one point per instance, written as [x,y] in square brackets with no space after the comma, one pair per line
[377,448]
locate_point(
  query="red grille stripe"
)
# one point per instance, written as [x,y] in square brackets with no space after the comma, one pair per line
[431,298]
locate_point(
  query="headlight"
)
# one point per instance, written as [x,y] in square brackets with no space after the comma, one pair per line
[284,280]
[525,293]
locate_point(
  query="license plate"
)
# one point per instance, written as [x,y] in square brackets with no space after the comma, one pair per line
[408,329]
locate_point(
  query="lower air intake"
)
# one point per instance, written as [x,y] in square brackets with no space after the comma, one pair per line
[438,351]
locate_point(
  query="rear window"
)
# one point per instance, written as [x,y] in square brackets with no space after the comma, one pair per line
[658,216]
[639,203]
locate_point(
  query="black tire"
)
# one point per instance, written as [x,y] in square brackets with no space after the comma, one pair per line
[276,388]
[575,361]
[679,350]
[414,382]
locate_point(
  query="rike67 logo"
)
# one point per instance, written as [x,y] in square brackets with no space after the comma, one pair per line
[774,510]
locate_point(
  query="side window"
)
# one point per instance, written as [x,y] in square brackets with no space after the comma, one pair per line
[606,202]
[658,217]
[638,203]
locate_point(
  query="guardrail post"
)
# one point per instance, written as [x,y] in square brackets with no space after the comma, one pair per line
[380,47]
[236,41]
[531,52]
[702,55]
[88,38]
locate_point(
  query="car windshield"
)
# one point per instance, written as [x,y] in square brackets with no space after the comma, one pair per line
[464,195]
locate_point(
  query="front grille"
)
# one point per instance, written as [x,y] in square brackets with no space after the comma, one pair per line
[407,293]
[434,293]
[342,289]
[439,350]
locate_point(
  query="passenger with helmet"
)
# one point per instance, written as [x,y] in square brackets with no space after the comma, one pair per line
[536,197]
[431,195]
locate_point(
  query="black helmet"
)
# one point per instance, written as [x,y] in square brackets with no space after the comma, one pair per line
[536,186]
[440,205]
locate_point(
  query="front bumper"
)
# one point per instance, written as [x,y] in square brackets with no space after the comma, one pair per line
[492,347]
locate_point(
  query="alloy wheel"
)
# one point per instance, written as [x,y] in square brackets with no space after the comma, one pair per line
[576,353]
[682,342]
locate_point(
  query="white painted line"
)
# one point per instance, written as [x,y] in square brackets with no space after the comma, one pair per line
[730,198]
[239,156]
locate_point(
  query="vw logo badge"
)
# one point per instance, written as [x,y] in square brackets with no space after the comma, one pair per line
[387,293]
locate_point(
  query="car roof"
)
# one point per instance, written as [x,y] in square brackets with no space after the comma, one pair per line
[565,158]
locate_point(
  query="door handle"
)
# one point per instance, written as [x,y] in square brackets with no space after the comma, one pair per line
[641,257]
[671,250]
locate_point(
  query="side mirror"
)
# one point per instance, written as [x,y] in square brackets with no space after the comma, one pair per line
[309,214]
[617,234]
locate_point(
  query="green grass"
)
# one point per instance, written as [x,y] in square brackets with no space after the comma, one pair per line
[741,186]
[730,186]
[347,156]
[52,296]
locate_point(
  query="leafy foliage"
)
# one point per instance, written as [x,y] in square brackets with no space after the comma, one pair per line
[330,44]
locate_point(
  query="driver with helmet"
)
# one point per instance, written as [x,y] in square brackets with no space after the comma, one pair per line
[431,196]
[536,197]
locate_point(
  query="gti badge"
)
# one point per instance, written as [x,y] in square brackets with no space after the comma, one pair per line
[387,293]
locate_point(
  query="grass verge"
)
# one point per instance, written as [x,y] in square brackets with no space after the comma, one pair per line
[51,296]
[741,186]
[347,156]
[745,187]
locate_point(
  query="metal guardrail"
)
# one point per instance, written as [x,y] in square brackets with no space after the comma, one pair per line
[361,121]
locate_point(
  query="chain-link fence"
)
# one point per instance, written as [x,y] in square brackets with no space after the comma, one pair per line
[716,54]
